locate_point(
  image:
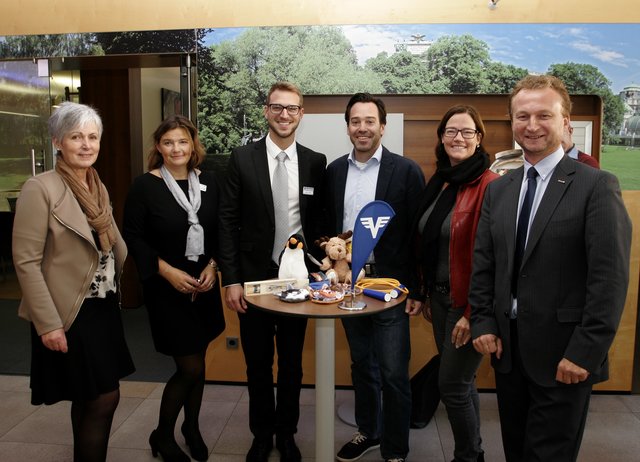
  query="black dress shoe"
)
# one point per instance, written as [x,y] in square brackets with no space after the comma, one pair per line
[260,450]
[479,459]
[197,447]
[289,452]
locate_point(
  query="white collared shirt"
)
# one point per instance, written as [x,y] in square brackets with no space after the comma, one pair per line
[291,163]
[545,169]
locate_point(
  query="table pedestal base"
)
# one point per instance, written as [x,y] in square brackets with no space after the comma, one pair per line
[325,389]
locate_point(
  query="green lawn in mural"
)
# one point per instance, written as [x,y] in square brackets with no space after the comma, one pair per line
[624,162]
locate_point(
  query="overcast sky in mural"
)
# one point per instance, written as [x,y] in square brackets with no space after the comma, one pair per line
[613,48]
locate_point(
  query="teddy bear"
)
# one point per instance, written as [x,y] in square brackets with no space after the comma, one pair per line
[336,263]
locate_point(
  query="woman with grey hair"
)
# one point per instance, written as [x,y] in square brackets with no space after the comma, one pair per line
[68,255]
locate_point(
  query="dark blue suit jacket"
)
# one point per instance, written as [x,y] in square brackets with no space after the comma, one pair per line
[400,181]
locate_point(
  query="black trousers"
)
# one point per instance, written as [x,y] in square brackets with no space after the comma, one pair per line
[539,424]
[258,329]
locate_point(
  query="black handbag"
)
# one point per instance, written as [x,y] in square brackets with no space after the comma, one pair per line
[425,394]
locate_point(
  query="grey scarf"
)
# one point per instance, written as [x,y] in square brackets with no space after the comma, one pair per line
[195,236]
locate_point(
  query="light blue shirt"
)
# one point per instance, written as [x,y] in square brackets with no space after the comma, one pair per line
[361,186]
[545,169]
[573,152]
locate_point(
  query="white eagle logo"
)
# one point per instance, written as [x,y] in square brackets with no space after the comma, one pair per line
[380,223]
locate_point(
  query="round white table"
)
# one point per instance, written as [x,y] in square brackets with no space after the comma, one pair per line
[325,315]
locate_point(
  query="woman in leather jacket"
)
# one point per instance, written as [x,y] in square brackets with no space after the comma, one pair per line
[446,222]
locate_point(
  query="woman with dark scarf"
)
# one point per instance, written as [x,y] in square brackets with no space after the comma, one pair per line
[170,225]
[68,256]
[446,222]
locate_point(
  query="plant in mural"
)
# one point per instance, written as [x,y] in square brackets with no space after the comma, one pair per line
[402,72]
[457,64]
[174,41]
[235,76]
[45,46]
[585,79]
[102,43]
[503,77]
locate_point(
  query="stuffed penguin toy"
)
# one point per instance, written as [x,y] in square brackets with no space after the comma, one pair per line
[292,259]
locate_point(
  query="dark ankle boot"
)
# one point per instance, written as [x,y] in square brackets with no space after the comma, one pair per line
[167,448]
[197,446]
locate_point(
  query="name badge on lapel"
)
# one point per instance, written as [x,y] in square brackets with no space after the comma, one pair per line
[307,190]
[203,187]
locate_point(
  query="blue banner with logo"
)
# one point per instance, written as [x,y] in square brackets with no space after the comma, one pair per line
[371,222]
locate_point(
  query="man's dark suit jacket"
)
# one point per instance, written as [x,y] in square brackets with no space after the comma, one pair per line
[247,223]
[574,275]
[400,182]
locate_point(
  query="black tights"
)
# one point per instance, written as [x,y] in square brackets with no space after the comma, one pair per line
[184,389]
[91,422]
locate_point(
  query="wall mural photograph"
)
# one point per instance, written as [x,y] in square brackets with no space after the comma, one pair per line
[236,67]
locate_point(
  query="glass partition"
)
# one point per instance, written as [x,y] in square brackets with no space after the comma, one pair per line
[24,109]
[25,148]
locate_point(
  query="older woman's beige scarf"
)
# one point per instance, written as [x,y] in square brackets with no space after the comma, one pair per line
[94,202]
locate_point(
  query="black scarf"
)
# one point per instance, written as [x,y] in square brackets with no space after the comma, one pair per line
[465,172]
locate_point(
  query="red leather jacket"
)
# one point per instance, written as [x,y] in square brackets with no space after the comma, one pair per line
[464,222]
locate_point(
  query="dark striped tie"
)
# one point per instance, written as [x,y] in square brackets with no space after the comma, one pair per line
[523,226]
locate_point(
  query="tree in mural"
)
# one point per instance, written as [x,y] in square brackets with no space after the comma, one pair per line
[162,41]
[503,77]
[402,72]
[585,79]
[236,75]
[47,46]
[453,64]
[458,64]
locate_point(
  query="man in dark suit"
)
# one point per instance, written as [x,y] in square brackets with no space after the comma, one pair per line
[379,344]
[252,225]
[549,282]
[572,151]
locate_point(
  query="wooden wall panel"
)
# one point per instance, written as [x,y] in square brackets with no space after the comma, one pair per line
[99,86]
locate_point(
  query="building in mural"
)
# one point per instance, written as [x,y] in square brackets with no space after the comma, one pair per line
[630,130]
[416,46]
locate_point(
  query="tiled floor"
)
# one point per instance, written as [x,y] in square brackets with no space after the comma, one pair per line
[43,433]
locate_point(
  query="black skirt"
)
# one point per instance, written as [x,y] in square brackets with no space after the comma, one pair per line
[180,326]
[97,357]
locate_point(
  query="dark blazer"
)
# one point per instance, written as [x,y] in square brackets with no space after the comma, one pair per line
[247,223]
[574,275]
[400,182]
